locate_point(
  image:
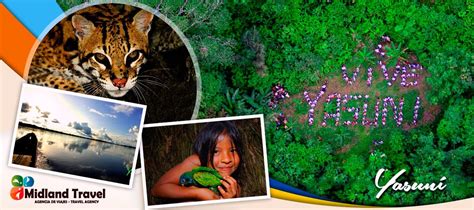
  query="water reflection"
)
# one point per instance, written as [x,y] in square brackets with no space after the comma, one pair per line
[79,145]
[83,157]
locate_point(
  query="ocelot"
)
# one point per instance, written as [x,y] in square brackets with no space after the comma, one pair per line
[98,50]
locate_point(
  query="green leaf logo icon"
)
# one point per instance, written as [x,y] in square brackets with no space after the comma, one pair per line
[17,181]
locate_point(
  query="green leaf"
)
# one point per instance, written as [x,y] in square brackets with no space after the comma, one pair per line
[398,28]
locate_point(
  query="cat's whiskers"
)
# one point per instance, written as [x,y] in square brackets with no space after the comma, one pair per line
[144,87]
[151,80]
[88,88]
[94,89]
[153,83]
[138,92]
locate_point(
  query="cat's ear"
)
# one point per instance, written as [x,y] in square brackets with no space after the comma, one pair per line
[142,21]
[82,26]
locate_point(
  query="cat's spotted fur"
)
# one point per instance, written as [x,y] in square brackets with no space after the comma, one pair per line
[98,51]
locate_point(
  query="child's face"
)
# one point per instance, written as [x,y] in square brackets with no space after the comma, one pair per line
[225,158]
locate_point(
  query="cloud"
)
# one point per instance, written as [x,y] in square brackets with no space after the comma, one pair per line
[133,130]
[25,107]
[45,114]
[123,109]
[97,112]
[111,115]
[102,114]
[82,127]
[79,146]
[24,119]
[102,134]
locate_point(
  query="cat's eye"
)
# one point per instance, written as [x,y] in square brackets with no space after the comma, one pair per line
[99,57]
[133,56]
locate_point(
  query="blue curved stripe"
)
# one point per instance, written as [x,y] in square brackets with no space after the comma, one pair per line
[35,15]
[287,188]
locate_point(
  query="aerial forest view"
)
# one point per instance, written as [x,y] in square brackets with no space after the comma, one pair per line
[346,89]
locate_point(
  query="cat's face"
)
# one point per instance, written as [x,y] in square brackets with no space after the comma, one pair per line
[113,52]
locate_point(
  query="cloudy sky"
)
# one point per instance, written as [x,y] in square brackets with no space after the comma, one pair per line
[78,115]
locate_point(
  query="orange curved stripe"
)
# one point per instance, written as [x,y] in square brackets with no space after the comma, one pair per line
[15,41]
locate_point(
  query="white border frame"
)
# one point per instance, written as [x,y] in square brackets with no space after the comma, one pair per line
[196,203]
[137,146]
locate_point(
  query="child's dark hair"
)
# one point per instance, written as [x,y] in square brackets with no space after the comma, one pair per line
[206,142]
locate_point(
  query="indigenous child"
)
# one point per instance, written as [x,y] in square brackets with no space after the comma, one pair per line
[217,146]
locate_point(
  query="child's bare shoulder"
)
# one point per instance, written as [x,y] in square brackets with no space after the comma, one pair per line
[192,161]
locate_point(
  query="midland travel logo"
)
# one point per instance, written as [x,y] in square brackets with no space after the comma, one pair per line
[19,184]
[23,189]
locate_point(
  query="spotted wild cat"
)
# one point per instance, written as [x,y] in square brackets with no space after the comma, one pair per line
[97,51]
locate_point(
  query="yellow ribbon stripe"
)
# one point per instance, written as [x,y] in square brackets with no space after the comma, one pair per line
[303,199]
